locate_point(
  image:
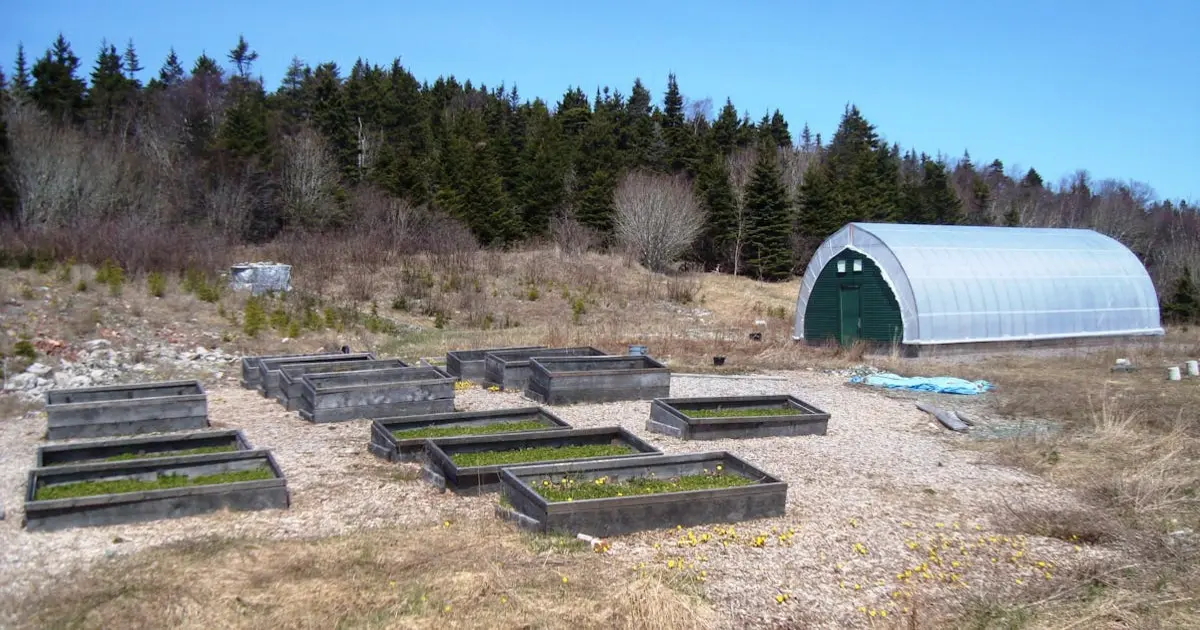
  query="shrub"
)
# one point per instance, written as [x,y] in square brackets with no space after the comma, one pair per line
[156,284]
[439,320]
[400,303]
[682,289]
[25,349]
[111,274]
[293,329]
[64,271]
[578,308]
[254,317]
[81,286]
[533,294]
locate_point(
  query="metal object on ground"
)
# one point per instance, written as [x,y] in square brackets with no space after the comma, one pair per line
[260,277]
[948,420]
[1173,373]
[637,351]
[1193,368]
[718,361]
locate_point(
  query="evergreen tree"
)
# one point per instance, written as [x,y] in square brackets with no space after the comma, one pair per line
[779,130]
[131,64]
[596,174]
[206,66]
[110,90]
[768,249]
[931,200]
[170,74]
[242,57]
[818,215]
[725,129]
[641,140]
[1012,218]
[8,195]
[858,179]
[56,89]
[20,80]
[681,145]
[806,139]
[331,118]
[1184,306]
[1032,179]
[721,226]
[540,191]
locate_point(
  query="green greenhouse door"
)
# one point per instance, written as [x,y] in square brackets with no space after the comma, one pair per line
[851,321]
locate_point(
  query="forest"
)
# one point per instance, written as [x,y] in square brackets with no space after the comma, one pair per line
[169,173]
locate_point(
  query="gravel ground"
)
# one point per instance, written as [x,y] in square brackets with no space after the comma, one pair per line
[883,477]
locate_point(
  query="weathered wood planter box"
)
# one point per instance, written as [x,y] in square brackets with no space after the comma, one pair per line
[291,385]
[735,417]
[114,410]
[510,369]
[250,366]
[269,369]
[376,394]
[442,471]
[168,445]
[762,496]
[566,380]
[269,491]
[386,444]
[468,365]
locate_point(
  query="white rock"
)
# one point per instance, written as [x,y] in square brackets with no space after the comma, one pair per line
[96,344]
[39,369]
[22,382]
[97,375]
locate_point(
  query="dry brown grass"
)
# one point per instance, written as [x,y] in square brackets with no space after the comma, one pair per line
[462,576]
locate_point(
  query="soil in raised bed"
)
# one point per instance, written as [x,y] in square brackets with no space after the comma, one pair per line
[602,488]
[163,482]
[203,450]
[538,454]
[481,429]
[739,413]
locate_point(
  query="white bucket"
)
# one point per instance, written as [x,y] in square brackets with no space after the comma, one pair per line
[1193,368]
[1173,373]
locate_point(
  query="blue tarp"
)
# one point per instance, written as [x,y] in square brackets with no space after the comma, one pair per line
[938,384]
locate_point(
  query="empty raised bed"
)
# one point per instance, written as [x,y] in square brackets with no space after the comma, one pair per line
[403,439]
[510,369]
[468,365]
[735,417]
[472,464]
[290,376]
[612,497]
[251,376]
[376,394]
[567,380]
[113,493]
[269,369]
[114,410]
[167,445]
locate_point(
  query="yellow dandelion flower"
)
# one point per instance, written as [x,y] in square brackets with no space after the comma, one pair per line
[447,608]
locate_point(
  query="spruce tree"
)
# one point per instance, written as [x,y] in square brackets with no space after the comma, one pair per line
[543,164]
[720,207]
[1012,218]
[110,90]
[131,64]
[331,118]
[768,249]
[56,89]
[242,57]
[645,152]
[779,130]
[681,144]
[1184,306]
[596,174]
[171,73]
[20,79]
[8,196]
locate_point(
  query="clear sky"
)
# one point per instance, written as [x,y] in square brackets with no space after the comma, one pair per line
[1108,86]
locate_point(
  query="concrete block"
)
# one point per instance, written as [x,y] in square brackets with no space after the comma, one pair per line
[765,498]
[115,410]
[569,380]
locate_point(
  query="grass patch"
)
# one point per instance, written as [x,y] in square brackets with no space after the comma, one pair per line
[203,450]
[602,488]
[538,454]
[480,429]
[739,413]
[163,482]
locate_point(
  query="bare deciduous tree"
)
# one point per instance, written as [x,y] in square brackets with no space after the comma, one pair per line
[309,179]
[657,218]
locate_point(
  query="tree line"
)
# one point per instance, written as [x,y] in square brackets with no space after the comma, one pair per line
[207,146]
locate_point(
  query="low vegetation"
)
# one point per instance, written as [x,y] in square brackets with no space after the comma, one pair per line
[475,429]
[603,488]
[740,412]
[163,482]
[203,450]
[538,454]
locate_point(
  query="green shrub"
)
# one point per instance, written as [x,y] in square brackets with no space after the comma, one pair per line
[81,286]
[254,318]
[400,303]
[439,320]
[533,294]
[578,308]
[24,349]
[293,329]
[312,320]
[156,284]
[64,271]
[279,319]
[111,274]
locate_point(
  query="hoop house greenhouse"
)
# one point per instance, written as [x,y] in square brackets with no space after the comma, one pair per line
[940,286]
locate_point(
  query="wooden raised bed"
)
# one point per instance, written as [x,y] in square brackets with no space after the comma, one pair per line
[568,380]
[762,496]
[372,394]
[115,410]
[291,386]
[125,449]
[735,417]
[442,471]
[510,369]
[468,365]
[385,444]
[251,376]
[269,369]
[146,505]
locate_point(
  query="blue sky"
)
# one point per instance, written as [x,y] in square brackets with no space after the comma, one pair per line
[1111,87]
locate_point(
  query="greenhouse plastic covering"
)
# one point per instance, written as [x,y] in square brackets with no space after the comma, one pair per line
[965,284]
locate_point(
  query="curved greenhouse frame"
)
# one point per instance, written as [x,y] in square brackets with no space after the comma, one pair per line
[967,284]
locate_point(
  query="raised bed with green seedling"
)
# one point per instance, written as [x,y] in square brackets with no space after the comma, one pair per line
[735,417]
[127,449]
[403,439]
